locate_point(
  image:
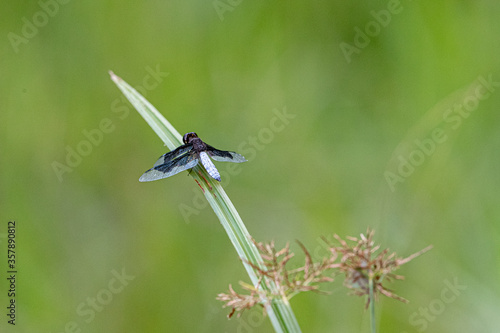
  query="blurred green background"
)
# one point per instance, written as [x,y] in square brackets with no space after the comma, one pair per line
[366,86]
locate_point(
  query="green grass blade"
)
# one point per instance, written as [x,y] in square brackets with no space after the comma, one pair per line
[279,311]
[158,123]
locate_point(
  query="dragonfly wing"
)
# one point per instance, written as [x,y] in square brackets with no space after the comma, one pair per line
[174,154]
[164,171]
[178,160]
[224,156]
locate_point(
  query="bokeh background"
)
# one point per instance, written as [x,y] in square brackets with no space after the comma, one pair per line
[359,92]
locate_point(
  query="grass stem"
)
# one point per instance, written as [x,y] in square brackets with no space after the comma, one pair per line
[372,306]
[279,311]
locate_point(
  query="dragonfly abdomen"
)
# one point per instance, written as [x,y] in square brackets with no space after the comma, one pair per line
[209,166]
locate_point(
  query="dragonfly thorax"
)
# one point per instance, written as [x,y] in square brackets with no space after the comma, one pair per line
[193,139]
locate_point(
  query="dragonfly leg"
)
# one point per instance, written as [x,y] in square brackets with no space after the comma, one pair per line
[199,172]
[200,186]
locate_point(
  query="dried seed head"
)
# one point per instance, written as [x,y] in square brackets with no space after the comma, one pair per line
[274,270]
[360,263]
[357,258]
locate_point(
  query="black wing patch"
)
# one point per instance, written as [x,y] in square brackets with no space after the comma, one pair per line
[224,156]
[169,164]
[174,154]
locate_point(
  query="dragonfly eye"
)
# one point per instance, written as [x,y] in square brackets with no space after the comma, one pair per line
[188,137]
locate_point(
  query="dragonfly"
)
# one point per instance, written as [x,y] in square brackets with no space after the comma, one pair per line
[187,157]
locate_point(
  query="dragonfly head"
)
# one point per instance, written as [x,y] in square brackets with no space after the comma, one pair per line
[189,136]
